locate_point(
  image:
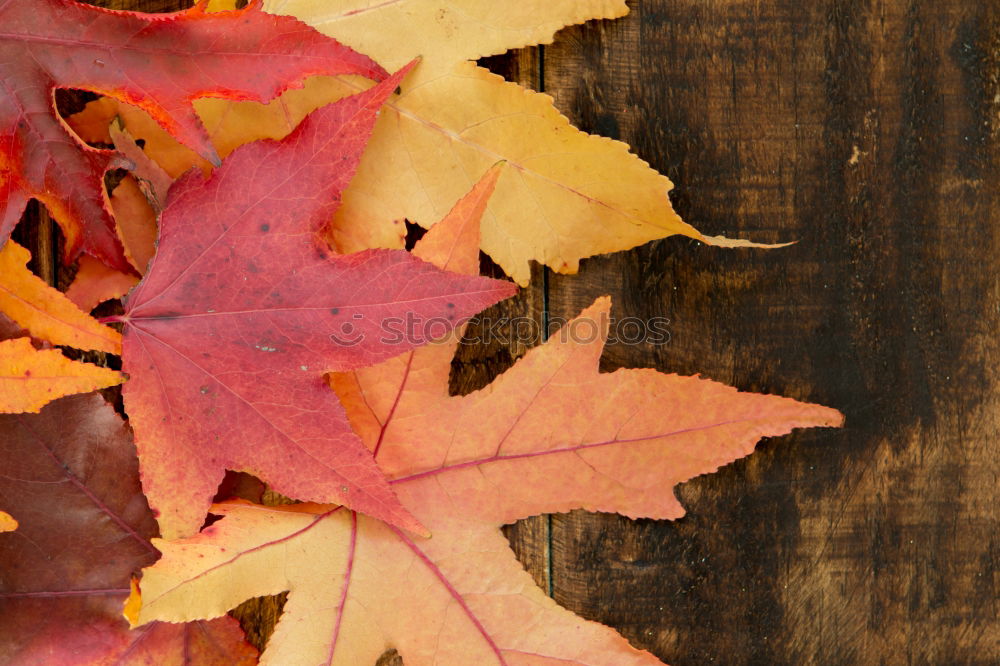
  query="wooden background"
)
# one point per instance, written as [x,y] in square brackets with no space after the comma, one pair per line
[868,131]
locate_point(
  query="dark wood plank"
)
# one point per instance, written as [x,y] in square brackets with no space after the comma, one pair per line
[143,5]
[868,132]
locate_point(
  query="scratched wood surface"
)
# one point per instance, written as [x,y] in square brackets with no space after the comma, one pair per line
[869,132]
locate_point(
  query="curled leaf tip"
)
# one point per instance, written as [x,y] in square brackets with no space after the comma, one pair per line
[722,241]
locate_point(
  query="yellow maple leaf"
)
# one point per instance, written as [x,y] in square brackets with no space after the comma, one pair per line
[567,195]
[442,32]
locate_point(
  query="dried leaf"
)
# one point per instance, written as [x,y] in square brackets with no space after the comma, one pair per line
[142,59]
[10,329]
[70,477]
[136,222]
[567,195]
[243,310]
[31,378]
[443,32]
[95,283]
[45,312]
[229,124]
[154,181]
[7,522]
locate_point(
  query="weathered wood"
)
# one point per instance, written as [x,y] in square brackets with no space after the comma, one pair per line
[868,132]
[144,5]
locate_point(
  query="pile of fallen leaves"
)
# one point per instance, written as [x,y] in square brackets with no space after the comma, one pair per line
[274,166]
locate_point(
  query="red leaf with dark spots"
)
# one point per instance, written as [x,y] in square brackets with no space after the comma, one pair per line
[243,311]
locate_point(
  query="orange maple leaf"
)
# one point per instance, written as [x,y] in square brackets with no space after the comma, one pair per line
[552,434]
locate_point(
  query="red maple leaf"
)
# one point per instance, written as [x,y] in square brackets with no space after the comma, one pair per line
[243,310]
[157,62]
[71,481]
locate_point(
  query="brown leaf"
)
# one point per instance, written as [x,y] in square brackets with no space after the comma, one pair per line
[142,59]
[71,478]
